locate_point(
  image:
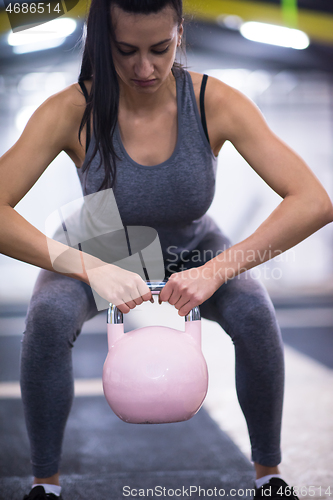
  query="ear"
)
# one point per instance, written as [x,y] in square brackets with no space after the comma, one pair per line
[180,33]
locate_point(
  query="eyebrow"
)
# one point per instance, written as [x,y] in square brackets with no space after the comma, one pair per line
[133,46]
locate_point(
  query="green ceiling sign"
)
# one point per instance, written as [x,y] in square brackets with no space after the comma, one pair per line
[290,12]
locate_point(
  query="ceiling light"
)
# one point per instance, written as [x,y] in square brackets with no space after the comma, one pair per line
[275,35]
[45,36]
[229,21]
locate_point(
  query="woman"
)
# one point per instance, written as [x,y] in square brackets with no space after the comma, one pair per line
[166,131]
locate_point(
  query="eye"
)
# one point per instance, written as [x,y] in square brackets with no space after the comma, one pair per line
[131,52]
[123,53]
[160,51]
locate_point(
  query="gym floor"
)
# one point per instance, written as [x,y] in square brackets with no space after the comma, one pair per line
[102,454]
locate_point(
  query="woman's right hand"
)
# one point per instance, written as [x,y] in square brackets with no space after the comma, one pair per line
[122,288]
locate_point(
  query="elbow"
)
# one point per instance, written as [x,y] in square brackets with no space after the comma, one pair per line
[317,209]
[325,210]
[330,213]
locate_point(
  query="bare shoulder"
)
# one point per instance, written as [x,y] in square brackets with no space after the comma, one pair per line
[52,128]
[196,80]
[66,107]
[60,117]
[73,97]
[218,104]
[221,97]
[229,113]
[216,89]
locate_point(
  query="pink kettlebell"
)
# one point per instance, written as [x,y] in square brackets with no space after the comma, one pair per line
[155,374]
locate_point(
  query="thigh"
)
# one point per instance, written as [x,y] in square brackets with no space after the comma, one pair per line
[59,306]
[240,305]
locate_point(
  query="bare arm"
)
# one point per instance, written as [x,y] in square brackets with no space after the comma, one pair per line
[52,129]
[305,207]
[44,137]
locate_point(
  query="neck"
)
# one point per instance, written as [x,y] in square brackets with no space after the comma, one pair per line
[140,102]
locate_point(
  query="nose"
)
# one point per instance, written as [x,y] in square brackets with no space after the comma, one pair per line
[143,68]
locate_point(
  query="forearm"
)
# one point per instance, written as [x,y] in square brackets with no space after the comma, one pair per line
[22,241]
[289,224]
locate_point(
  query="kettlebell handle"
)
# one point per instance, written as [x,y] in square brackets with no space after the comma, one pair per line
[115,317]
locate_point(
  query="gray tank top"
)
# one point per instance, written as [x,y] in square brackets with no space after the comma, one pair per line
[174,196]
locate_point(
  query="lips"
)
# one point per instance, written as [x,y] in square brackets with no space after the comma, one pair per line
[144,83]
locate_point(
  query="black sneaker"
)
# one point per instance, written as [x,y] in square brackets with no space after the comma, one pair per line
[38,493]
[275,489]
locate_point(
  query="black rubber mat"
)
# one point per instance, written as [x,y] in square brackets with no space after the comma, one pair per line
[105,458]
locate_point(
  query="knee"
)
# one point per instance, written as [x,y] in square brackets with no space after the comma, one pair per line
[254,309]
[51,321]
[246,308]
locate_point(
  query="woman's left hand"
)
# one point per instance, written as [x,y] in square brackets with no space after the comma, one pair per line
[188,289]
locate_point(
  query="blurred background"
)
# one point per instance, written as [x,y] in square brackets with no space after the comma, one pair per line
[280,54]
[291,86]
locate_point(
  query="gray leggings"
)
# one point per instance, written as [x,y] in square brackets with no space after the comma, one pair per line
[57,311]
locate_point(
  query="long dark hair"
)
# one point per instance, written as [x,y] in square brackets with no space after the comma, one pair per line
[97,64]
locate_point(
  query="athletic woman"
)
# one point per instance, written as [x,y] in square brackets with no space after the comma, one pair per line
[151,131]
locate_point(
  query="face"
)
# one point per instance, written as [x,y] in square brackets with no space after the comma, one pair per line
[144,48]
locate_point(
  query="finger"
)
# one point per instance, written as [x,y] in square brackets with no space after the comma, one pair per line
[133,293]
[186,308]
[123,308]
[143,298]
[165,293]
[131,304]
[128,300]
[145,292]
[138,300]
[182,301]
[175,298]
[148,296]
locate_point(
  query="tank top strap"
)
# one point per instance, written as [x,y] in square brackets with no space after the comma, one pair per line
[202,105]
[191,109]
